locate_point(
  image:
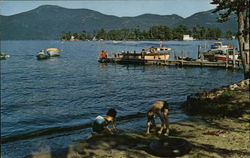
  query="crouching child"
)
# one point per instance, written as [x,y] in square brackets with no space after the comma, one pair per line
[101,123]
[160,109]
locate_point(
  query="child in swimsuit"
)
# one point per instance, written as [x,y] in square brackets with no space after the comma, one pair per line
[160,109]
[100,125]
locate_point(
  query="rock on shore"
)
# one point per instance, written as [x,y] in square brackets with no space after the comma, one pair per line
[232,100]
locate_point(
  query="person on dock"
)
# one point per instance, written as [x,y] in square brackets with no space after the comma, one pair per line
[100,124]
[160,109]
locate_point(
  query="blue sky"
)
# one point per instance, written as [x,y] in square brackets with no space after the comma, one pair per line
[119,8]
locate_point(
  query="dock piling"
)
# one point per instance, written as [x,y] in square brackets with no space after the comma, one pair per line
[199,51]
[234,58]
[175,57]
[227,61]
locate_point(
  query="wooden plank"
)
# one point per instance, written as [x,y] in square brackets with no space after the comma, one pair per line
[197,63]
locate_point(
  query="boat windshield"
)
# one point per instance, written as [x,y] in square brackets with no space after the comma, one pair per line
[214,47]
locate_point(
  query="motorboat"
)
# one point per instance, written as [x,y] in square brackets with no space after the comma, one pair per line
[47,53]
[220,52]
[52,52]
[3,56]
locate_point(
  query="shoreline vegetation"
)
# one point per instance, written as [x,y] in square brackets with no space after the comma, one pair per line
[227,101]
[222,132]
[160,32]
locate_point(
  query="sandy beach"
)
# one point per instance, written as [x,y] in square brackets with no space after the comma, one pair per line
[217,137]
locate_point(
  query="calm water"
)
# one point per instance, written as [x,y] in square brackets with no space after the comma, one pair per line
[46,105]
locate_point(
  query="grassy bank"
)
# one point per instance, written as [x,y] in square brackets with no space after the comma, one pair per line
[228,101]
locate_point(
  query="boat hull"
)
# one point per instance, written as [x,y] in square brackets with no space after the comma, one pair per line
[4,56]
[224,57]
[104,60]
[53,54]
[47,53]
[42,56]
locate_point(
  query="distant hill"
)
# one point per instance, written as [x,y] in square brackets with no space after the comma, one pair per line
[48,22]
[208,19]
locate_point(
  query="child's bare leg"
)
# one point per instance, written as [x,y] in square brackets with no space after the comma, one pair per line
[148,127]
[167,127]
[166,122]
[162,125]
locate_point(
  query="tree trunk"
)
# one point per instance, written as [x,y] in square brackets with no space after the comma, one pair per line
[243,38]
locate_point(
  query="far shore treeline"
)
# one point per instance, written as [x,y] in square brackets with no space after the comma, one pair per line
[160,32]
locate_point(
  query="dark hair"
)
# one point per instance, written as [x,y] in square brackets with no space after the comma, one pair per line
[165,106]
[150,115]
[111,112]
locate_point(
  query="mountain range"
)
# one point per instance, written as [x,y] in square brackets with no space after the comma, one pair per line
[48,22]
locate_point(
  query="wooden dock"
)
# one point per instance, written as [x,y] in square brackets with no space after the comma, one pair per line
[236,64]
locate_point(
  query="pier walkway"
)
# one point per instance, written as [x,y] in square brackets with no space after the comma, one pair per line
[236,64]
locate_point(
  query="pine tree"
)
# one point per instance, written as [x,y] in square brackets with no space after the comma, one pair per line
[241,8]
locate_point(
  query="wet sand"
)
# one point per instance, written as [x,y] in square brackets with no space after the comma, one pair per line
[231,140]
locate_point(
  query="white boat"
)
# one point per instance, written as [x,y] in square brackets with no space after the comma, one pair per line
[4,56]
[47,53]
[157,53]
[218,46]
[220,52]
[53,52]
[153,53]
[224,57]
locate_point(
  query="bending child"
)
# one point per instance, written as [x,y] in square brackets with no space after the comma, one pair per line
[100,125]
[160,109]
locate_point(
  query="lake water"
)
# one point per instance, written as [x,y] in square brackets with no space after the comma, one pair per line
[50,104]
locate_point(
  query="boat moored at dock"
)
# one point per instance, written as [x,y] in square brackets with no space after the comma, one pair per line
[146,55]
[161,56]
[220,52]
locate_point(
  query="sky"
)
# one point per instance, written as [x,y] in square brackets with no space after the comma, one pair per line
[119,8]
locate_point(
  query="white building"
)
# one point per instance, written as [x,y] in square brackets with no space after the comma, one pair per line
[72,38]
[187,37]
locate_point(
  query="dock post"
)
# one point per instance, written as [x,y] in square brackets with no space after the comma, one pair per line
[199,51]
[182,54]
[227,61]
[233,57]
[202,56]
[175,57]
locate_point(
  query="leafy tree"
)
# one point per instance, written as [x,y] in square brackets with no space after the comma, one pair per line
[199,32]
[66,36]
[63,36]
[229,35]
[160,32]
[76,35]
[137,33]
[241,8]
[125,33]
[168,35]
[83,35]
[101,34]
[179,31]
[213,33]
